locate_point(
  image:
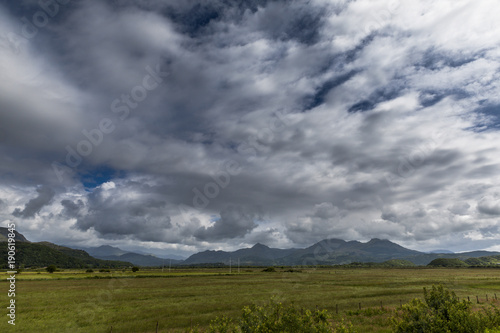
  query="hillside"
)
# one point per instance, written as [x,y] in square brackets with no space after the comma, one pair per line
[142,259]
[326,252]
[45,254]
[257,255]
[337,251]
[426,258]
[18,237]
[329,252]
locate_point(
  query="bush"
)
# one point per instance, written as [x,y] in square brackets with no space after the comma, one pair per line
[135,269]
[90,270]
[51,268]
[102,270]
[443,312]
[269,269]
[276,317]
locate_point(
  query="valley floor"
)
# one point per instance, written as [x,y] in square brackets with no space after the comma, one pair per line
[76,301]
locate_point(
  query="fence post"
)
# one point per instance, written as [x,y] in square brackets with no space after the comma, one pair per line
[111,329]
[360,306]
[336,308]
[468,298]
[477,299]
[495,296]
[156,327]
[486,297]
[381,307]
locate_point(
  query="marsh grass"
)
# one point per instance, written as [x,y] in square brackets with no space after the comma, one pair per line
[76,301]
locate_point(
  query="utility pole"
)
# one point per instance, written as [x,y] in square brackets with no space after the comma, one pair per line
[229,265]
[238,265]
[169,265]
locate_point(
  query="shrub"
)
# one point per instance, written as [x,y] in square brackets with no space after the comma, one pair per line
[277,317]
[90,270]
[51,268]
[269,269]
[135,269]
[102,270]
[441,311]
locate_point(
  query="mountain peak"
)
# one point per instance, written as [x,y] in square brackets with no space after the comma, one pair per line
[260,246]
[18,237]
[378,240]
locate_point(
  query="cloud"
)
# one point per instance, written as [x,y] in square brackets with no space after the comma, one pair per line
[348,119]
[45,195]
[72,209]
[234,222]
[114,213]
[489,205]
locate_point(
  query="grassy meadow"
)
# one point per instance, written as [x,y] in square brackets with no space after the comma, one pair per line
[76,301]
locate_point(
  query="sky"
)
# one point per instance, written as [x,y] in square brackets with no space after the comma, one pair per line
[172,127]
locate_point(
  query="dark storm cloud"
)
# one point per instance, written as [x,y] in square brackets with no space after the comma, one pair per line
[72,209]
[234,222]
[45,196]
[113,214]
[489,206]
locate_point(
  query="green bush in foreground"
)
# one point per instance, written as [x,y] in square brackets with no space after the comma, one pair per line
[443,312]
[277,317]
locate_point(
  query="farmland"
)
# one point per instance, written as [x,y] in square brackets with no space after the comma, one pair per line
[77,301]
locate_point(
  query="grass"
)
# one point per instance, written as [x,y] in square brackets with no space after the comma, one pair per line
[76,301]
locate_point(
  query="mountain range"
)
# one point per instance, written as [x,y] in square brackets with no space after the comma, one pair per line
[106,252]
[326,252]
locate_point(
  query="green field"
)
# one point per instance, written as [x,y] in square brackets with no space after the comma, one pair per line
[75,301]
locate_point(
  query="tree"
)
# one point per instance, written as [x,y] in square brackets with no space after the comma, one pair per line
[135,269]
[51,268]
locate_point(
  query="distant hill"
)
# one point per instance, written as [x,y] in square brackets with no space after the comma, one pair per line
[441,251]
[374,253]
[142,259]
[447,262]
[426,258]
[337,251]
[104,250]
[259,255]
[484,261]
[4,235]
[330,252]
[44,254]
[107,252]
